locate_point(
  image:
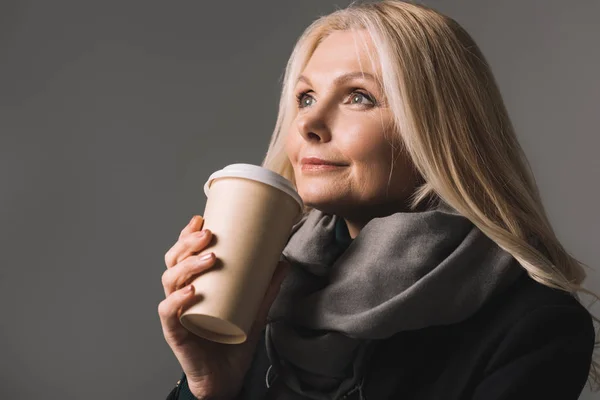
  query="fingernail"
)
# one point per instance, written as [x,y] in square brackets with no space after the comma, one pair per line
[206,257]
[189,289]
[201,233]
[192,220]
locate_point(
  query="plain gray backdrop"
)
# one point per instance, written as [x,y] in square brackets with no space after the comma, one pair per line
[114,113]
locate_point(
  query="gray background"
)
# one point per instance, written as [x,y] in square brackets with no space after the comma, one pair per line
[113,113]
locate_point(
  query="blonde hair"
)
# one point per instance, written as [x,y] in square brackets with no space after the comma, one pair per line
[452,121]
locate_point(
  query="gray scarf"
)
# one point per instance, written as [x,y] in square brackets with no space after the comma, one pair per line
[405,271]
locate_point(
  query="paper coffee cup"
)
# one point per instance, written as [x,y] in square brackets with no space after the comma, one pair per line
[250,211]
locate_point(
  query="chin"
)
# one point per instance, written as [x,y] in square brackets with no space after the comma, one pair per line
[314,195]
[327,205]
[314,201]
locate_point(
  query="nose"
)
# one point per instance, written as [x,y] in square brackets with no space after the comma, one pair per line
[312,125]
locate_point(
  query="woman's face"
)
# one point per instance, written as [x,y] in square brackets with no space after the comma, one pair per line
[342,118]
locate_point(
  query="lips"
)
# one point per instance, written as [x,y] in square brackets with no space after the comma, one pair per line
[319,161]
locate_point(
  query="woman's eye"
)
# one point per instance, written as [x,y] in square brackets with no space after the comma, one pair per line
[358,96]
[303,100]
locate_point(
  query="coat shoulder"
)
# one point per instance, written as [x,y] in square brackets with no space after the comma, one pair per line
[533,315]
[528,299]
[450,361]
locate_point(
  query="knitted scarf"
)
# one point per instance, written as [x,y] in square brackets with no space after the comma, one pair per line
[405,271]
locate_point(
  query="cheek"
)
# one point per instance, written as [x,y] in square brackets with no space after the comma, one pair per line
[291,147]
[372,156]
[367,147]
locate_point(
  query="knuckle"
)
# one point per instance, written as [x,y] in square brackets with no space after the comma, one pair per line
[169,257]
[193,238]
[166,279]
[183,234]
[163,309]
[188,270]
[189,262]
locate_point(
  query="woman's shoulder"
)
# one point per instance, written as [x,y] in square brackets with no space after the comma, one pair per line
[526,316]
[519,338]
[527,311]
[531,325]
[529,299]
[544,337]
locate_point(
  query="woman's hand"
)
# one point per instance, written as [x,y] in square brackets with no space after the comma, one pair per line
[213,370]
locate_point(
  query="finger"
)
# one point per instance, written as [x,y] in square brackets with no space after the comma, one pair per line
[188,245]
[194,243]
[170,255]
[194,225]
[169,312]
[181,274]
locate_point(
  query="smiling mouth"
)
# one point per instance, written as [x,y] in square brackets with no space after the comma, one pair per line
[321,167]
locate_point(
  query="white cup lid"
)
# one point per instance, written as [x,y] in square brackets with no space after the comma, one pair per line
[257,173]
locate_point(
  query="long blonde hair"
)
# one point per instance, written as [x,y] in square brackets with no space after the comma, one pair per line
[452,121]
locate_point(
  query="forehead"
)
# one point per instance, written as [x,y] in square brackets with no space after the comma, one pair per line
[348,51]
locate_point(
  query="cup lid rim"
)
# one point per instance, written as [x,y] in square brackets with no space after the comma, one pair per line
[257,173]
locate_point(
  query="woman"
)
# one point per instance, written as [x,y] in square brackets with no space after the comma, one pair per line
[424,266]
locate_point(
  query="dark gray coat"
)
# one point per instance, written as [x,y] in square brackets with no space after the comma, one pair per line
[530,342]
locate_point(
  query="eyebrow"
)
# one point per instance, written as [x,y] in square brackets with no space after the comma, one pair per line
[343,78]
